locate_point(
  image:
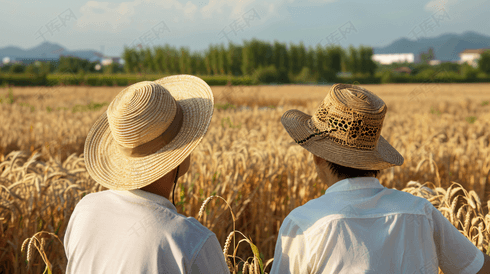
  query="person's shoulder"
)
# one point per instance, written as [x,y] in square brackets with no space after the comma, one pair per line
[406,202]
[306,215]
[194,226]
[189,234]
[403,196]
[92,199]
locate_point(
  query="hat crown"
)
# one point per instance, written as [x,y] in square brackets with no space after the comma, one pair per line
[351,116]
[356,98]
[140,113]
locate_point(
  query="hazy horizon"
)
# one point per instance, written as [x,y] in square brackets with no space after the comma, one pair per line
[108,26]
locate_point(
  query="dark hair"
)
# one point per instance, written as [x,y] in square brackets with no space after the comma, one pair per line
[349,172]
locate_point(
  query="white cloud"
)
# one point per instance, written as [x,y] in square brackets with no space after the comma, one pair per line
[311,2]
[105,15]
[190,10]
[229,9]
[232,9]
[115,17]
[434,5]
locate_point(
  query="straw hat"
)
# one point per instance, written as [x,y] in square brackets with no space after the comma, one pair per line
[148,130]
[345,129]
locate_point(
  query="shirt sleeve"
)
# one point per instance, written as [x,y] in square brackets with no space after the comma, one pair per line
[210,258]
[291,254]
[455,252]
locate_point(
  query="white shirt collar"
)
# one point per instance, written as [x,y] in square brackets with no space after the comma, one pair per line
[354,184]
[148,196]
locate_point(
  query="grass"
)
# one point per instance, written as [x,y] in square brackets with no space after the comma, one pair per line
[224,106]
[434,111]
[227,121]
[89,107]
[9,98]
[471,119]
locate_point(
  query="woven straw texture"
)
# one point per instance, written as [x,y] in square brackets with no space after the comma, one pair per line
[345,129]
[139,114]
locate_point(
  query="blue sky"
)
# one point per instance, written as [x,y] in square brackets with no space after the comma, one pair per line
[110,25]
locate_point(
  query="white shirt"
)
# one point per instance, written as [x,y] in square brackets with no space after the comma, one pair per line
[138,232]
[359,226]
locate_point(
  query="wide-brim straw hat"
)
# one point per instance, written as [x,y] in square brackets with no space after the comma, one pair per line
[147,131]
[345,129]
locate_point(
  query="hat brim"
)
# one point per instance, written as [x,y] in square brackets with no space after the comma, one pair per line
[112,169]
[383,156]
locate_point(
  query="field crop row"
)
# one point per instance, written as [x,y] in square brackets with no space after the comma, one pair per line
[246,157]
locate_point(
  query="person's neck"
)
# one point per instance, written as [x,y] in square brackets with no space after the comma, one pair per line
[331,180]
[162,186]
[334,180]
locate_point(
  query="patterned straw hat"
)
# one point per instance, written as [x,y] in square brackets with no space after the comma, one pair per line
[345,129]
[148,130]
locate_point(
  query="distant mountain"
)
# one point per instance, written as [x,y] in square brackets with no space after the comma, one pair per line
[446,46]
[47,50]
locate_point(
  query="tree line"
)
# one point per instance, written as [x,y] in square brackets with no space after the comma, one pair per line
[263,62]
[277,61]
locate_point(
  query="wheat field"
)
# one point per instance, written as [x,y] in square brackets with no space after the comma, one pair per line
[246,158]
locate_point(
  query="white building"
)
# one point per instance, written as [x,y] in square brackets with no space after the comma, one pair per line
[109,60]
[471,56]
[386,59]
[434,62]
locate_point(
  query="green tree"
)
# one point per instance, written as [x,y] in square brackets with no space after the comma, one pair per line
[449,66]
[367,65]
[280,58]
[310,59]
[112,68]
[248,60]
[354,63]
[160,64]
[324,68]
[223,63]
[294,62]
[131,60]
[235,59]
[195,63]
[301,56]
[5,68]
[425,57]
[171,59]
[266,75]
[70,64]
[484,62]
[334,56]
[47,67]
[149,65]
[185,61]
[469,72]
[321,60]
[32,69]
[256,54]
[17,68]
